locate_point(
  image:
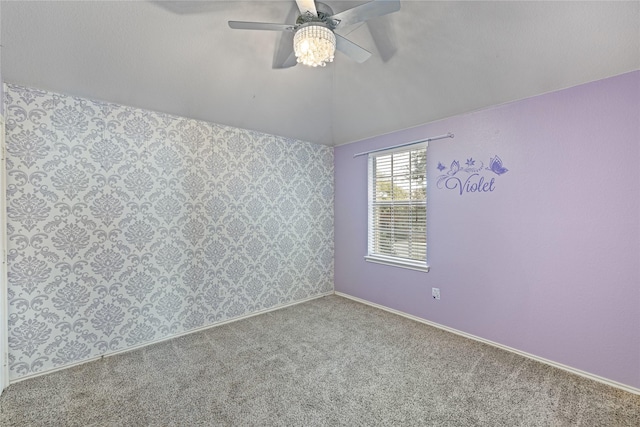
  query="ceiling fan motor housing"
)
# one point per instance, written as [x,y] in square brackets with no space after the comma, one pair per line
[324,16]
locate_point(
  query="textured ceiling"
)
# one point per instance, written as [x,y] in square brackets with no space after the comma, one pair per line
[431,60]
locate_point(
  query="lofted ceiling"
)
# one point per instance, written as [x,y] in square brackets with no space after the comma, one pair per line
[430,60]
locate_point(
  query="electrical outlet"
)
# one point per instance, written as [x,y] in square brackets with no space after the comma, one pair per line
[435,293]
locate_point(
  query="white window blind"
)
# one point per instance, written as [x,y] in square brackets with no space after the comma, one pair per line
[398,207]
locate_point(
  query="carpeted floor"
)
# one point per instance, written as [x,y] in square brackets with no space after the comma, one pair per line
[330,361]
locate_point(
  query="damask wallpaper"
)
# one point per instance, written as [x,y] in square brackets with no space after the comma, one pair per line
[127,226]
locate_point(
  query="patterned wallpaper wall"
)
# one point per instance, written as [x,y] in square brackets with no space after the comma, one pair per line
[126,226]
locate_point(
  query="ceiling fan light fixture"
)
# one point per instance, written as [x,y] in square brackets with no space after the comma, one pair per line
[314,45]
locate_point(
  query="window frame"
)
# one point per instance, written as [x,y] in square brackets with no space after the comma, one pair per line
[380,258]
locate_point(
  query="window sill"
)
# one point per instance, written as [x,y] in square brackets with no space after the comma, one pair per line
[394,262]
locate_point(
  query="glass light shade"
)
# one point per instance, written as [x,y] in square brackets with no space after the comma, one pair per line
[314,45]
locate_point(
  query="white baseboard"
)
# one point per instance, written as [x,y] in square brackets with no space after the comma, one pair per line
[570,369]
[170,337]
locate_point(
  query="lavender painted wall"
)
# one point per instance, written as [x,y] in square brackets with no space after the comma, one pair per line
[547,263]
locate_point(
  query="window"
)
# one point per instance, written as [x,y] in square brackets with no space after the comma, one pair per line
[398,207]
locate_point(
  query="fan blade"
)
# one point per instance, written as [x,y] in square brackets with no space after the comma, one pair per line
[383,37]
[241,25]
[290,61]
[351,49]
[283,56]
[382,34]
[366,11]
[307,6]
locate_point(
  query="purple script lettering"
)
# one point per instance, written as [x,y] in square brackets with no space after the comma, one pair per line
[472,184]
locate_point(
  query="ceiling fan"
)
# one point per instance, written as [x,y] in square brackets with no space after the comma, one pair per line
[313,39]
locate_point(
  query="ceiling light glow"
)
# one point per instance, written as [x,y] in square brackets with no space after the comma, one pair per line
[314,45]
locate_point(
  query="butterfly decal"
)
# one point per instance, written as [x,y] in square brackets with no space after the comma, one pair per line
[454,169]
[495,166]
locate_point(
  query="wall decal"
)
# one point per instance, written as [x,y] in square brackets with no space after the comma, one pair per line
[473,177]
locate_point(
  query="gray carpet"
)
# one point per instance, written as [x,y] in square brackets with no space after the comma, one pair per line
[330,361]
